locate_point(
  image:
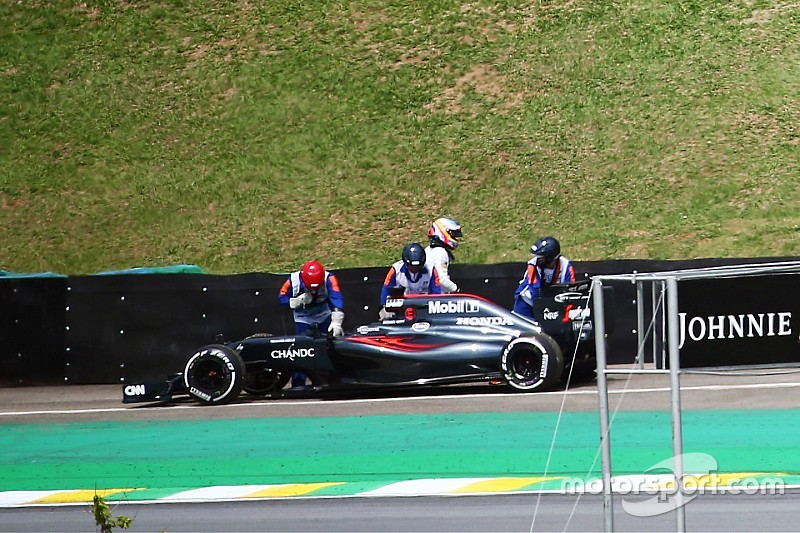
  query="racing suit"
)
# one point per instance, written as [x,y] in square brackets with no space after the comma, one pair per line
[530,286]
[423,282]
[323,301]
[438,257]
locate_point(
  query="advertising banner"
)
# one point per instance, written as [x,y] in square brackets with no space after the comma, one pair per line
[748,320]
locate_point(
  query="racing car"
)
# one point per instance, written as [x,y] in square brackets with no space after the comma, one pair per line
[428,340]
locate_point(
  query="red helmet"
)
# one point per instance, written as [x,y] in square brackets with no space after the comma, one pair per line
[313,275]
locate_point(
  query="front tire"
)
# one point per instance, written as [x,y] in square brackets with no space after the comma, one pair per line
[532,363]
[214,375]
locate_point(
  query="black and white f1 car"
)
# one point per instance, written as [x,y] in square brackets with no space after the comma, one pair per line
[431,340]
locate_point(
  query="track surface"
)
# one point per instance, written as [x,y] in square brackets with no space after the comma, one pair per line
[742,389]
[417,416]
[523,513]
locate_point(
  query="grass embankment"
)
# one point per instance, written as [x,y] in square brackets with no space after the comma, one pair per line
[252,136]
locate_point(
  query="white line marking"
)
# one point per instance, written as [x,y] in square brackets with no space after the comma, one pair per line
[277,404]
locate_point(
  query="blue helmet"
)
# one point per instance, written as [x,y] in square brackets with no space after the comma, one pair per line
[414,255]
[547,248]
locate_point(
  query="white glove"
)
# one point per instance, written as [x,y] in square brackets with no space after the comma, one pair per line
[337,318]
[383,314]
[301,300]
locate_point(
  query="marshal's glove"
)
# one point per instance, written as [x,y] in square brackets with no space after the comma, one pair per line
[301,300]
[383,314]
[337,318]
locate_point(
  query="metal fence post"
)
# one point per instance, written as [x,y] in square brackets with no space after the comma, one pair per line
[602,393]
[675,389]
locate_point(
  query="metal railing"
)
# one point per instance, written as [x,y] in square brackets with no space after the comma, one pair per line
[657,352]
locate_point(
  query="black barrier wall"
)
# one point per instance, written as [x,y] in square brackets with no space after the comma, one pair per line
[117,328]
[32,330]
[120,328]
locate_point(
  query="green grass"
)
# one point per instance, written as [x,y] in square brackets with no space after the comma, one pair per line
[251,136]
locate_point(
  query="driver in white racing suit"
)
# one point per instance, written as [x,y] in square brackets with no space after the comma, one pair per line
[443,234]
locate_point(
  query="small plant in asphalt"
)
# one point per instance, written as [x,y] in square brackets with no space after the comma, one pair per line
[103,518]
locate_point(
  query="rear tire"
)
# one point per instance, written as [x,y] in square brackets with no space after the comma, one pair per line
[532,363]
[214,375]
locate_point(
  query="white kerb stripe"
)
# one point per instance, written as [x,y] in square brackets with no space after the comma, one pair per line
[223,492]
[21,497]
[422,487]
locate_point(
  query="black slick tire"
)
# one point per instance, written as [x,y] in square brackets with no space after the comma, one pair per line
[214,375]
[532,363]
